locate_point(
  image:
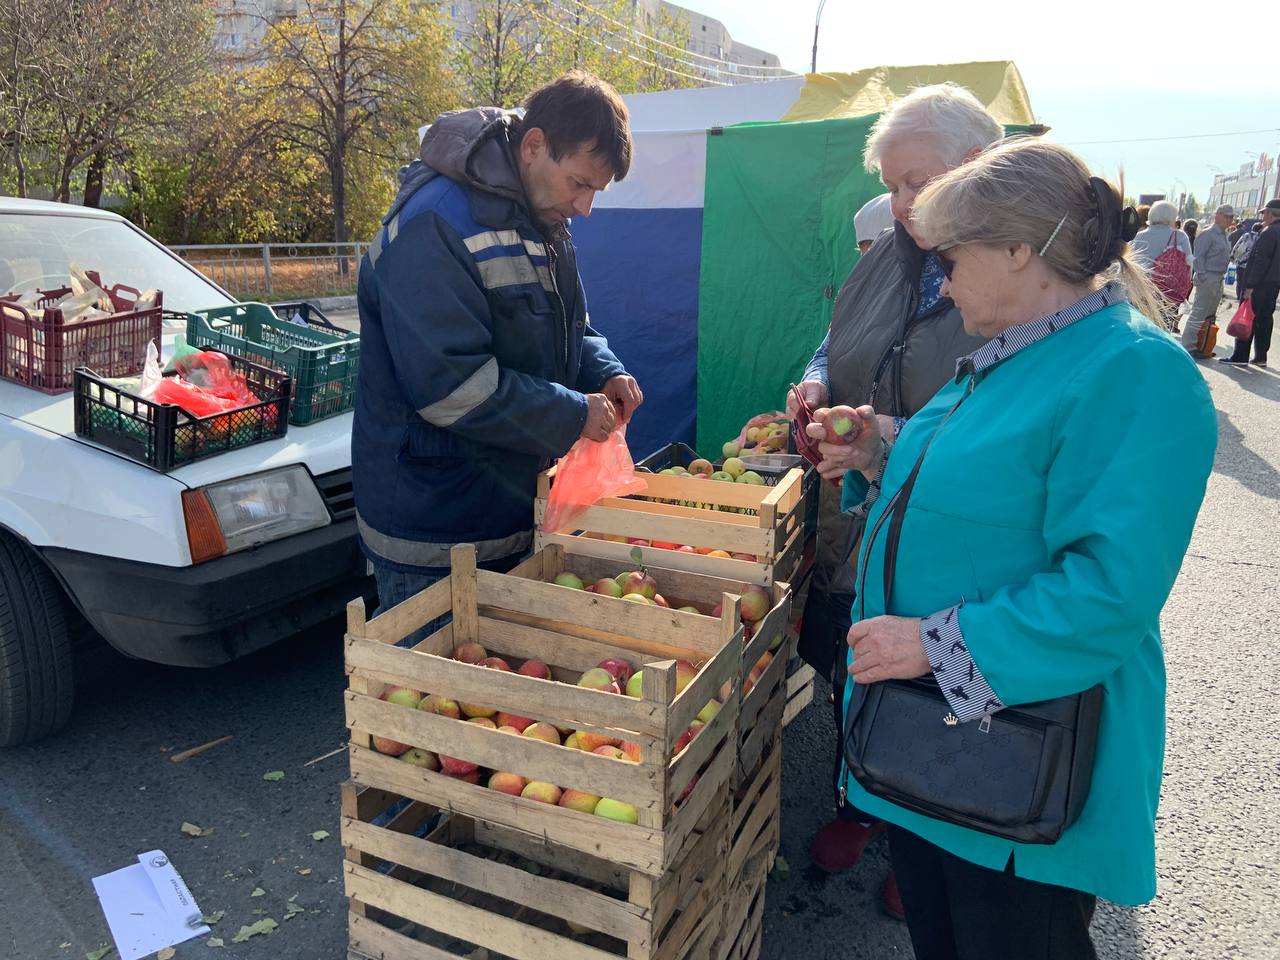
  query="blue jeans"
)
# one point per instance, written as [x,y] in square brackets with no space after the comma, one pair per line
[397,586]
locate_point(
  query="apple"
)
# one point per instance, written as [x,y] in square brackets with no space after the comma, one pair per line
[762,664]
[730,450]
[635,686]
[568,580]
[686,549]
[695,728]
[454,767]
[693,782]
[689,610]
[515,730]
[511,720]
[608,587]
[755,602]
[483,722]
[701,467]
[579,800]
[723,476]
[471,776]
[535,668]
[660,601]
[618,668]
[842,424]
[542,731]
[637,598]
[610,750]
[511,783]
[718,610]
[708,712]
[748,631]
[402,697]
[751,477]
[598,678]
[722,554]
[590,588]
[442,706]
[495,663]
[635,581]
[733,466]
[681,742]
[421,758]
[616,810]
[631,751]
[476,711]
[470,653]
[637,541]
[541,791]
[593,742]
[754,434]
[665,545]
[392,748]
[776,642]
[685,672]
[744,556]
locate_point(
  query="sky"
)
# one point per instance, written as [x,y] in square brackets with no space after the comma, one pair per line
[1125,70]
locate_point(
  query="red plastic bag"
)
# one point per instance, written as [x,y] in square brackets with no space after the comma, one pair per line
[588,472]
[212,373]
[1241,325]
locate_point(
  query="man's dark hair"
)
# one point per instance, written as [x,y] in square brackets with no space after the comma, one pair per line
[579,111]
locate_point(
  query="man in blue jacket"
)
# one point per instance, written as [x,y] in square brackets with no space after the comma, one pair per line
[478,365]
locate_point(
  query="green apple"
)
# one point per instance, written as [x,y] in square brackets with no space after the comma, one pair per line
[733,466]
[616,810]
[730,449]
[750,476]
[569,580]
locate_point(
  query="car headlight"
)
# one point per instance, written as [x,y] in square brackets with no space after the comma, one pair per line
[248,511]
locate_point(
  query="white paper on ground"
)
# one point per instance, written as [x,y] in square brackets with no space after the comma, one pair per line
[147,906]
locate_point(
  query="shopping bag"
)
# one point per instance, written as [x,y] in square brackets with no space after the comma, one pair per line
[1241,325]
[589,471]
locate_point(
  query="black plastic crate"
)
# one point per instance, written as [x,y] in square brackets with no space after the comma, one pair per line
[162,436]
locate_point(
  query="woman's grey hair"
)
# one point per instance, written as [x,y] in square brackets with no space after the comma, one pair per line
[1162,211]
[946,111]
[1022,191]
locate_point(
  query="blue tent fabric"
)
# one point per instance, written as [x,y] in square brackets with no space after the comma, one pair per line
[640,270]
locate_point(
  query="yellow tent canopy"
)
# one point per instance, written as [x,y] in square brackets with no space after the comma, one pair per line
[997,84]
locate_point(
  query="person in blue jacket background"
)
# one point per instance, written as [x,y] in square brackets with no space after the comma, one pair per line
[1045,530]
[478,364]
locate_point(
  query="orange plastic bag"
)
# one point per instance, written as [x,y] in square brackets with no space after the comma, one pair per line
[588,472]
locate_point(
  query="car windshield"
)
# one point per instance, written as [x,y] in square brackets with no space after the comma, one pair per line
[37,251]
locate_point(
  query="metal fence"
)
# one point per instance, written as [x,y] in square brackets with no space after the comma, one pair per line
[278,271]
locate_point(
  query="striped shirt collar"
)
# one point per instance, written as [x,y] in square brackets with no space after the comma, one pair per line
[1009,342]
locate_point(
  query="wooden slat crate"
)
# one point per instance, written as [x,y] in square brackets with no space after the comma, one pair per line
[480,890]
[771,526]
[753,846]
[800,682]
[759,710]
[513,616]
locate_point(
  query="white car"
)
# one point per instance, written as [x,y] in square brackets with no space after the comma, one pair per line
[85,532]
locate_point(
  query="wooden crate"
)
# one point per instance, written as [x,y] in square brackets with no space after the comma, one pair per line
[514,616]
[760,710]
[800,683]
[755,835]
[770,526]
[480,890]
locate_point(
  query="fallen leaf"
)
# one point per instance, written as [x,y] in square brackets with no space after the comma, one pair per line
[192,830]
[265,925]
[166,953]
[781,869]
[293,911]
[99,953]
[273,775]
[258,892]
[243,835]
[319,834]
[213,918]
[259,913]
[215,942]
[304,872]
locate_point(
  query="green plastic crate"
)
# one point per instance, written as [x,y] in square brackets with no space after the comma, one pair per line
[323,362]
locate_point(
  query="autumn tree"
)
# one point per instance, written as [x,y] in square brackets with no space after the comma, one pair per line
[356,76]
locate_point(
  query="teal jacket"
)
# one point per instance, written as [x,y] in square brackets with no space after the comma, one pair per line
[1056,506]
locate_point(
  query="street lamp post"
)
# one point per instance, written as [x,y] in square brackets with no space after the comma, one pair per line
[813,67]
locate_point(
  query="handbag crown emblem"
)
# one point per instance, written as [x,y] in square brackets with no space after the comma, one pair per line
[950,719]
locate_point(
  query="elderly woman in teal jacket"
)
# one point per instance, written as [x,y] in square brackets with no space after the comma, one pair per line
[1043,534]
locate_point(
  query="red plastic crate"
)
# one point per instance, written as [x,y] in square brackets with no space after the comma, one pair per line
[43,354]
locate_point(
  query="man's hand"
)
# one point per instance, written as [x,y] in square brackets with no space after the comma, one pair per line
[839,458]
[625,393]
[1245,294]
[601,418]
[814,393]
[887,648]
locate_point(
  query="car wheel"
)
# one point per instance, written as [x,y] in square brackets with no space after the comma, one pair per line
[37,684]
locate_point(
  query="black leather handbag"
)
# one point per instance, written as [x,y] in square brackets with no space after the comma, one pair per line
[1021,773]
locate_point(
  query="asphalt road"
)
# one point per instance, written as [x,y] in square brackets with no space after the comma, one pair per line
[90,800]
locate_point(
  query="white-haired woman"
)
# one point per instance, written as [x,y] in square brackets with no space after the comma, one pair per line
[1040,507]
[893,342]
[1162,239]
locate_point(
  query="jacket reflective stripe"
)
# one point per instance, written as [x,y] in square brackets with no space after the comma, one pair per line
[489,238]
[472,392]
[535,249]
[375,248]
[507,271]
[418,553]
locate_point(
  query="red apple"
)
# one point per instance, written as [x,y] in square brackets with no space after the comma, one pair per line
[609,750]
[474,710]
[660,601]
[454,767]
[593,742]
[631,751]
[392,748]
[535,668]
[511,720]
[511,783]
[686,549]
[579,800]
[682,741]
[755,603]
[618,668]
[685,672]
[637,542]
[441,706]
[514,730]
[541,791]
[633,581]
[470,653]
[495,663]
[483,722]
[542,731]
[665,545]
[608,587]
[842,424]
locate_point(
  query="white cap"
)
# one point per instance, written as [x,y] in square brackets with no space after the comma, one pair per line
[873,219]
